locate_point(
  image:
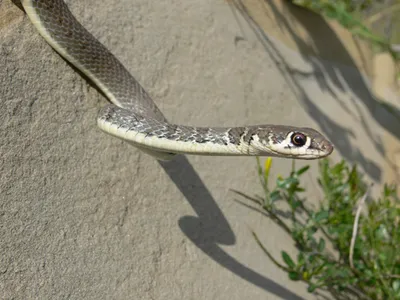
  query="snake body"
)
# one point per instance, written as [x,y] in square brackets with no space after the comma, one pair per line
[135,118]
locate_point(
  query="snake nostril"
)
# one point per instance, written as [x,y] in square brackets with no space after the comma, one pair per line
[327,146]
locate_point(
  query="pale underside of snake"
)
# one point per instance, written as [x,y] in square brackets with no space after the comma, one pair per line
[134,117]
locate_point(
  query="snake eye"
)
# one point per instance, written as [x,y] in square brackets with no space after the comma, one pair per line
[298,139]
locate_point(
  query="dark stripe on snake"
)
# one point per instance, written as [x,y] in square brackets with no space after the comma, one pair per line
[234,134]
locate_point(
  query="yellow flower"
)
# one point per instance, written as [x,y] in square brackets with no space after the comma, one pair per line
[306,276]
[267,167]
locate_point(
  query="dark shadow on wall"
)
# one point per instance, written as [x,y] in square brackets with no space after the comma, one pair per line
[326,45]
[210,228]
[327,48]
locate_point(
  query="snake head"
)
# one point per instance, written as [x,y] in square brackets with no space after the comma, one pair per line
[286,141]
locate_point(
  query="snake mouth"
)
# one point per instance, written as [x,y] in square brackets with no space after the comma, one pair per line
[315,154]
[326,148]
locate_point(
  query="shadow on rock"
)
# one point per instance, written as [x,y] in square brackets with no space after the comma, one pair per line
[210,228]
[326,75]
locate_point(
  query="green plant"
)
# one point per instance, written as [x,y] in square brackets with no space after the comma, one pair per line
[348,5]
[349,14]
[340,250]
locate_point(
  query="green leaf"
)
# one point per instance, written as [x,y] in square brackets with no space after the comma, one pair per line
[311,288]
[310,231]
[302,170]
[368,274]
[294,276]
[319,268]
[321,245]
[294,204]
[382,256]
[300,259]
[288,260]
[286,183]
[382,233]
[275,196]
[396,285]
[321,215]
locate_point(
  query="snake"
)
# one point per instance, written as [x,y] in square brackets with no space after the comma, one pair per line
[132,116]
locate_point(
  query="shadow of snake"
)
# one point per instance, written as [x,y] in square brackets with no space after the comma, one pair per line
[210,228]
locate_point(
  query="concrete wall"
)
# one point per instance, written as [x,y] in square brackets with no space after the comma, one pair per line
[85,216]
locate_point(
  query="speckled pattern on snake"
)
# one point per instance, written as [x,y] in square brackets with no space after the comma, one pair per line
[134,117]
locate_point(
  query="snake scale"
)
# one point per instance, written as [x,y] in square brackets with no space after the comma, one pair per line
[133,116]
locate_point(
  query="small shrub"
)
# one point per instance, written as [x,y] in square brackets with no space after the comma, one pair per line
[352,255]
